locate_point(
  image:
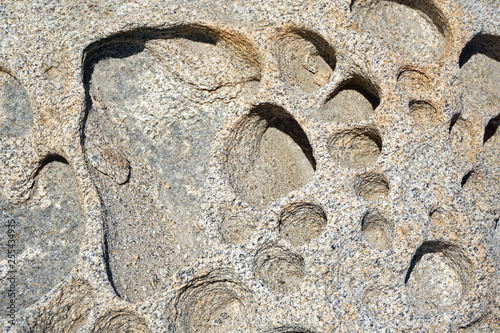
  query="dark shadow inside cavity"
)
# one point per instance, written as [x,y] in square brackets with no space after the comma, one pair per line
[466,178]
[325,50]
[453,121]
[283,121]
[489,45]
[268,155]
[427,248]
[126,44]
[47,160]
[307,58]
[491,128]
[362,86]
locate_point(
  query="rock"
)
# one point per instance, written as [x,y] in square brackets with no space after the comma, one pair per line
[250,166]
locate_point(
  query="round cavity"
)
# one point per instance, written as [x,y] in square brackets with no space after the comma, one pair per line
[439,275]
[371,186]
[356,148]
[302,222]
[279,268]
[306,58]
[212,304]
[422,112]
[377,230]
[236,228]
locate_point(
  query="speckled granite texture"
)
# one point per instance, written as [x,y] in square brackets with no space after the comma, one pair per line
[250,166]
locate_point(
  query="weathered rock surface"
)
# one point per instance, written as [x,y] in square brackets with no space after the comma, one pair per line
[250,166]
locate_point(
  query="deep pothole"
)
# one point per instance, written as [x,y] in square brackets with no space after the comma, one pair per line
[268,155]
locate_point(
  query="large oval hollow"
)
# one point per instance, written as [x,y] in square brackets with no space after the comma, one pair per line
[155,100]
[48,229]
[268,155]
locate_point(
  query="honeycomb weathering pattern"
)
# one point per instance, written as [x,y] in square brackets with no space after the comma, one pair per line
[250,166]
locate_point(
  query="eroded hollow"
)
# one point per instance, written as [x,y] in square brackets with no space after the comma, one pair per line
[461,138]
[279,268]
[372,186]
[356,148]
[440,274]
[302,222]
[352,102]
[423,113]
[414,82]
[49,228]
[68,310]
[237,227]
[268,155]
[155,99]
[377,230]
[213,303]
[306,57]
[416,29]
[491,142]
[121,321]
[480,73]
[16,116]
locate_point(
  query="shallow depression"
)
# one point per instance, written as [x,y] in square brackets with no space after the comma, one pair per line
[307,59]
[354,101]
[302,222]
[438,277]
[279,268]
[356,148]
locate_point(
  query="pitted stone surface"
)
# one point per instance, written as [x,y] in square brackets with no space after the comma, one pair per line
[250,166]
